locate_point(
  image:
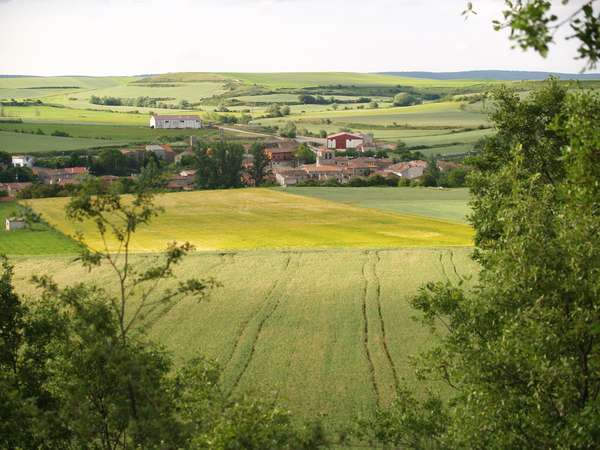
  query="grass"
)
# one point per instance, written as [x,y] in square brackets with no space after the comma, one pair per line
[444,204]
[39,240]
[33,143]
[248,219]
[294,322]
[125,133]
[71,115]
[311,79]
[432,115]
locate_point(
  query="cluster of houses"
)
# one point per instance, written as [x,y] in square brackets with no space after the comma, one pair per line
[342,169]
[74,175]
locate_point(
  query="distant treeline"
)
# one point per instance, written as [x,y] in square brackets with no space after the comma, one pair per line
[147,102]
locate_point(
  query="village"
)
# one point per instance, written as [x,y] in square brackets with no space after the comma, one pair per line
[338,158]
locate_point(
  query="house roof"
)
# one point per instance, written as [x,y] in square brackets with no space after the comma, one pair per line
[66,170]
[322,168]
[15,186]
[345,133]
[176,117]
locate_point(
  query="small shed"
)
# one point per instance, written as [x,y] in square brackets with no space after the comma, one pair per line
[15,223]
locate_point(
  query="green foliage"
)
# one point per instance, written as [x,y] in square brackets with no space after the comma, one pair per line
[260,163]
[219,166]
[305,155]
[406,99]
[288,130]
[111,161]
[533,24]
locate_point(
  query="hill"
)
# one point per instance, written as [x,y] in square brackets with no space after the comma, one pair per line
[503,75]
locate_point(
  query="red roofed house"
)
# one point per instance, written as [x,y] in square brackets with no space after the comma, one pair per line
[175,121]
[344,141]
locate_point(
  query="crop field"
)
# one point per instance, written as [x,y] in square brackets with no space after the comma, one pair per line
[314,297]
[308,79]
[432,115]
[248,219]
[122,133]
[39,87]
[33,143]
[445,204]
[71,115]
[330,332]
[39,240]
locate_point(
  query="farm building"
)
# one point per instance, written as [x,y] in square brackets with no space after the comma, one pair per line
[15,223]
[282,152]
[290,177]
[175,121]
[409,170]
[345,141]
[23,161]
[162,151]
[60,176]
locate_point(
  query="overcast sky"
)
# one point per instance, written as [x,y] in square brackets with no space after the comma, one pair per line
[126,37]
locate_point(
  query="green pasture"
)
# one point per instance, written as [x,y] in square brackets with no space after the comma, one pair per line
[313,79]
[445,204]
[306,324]
[32,143]
[37,240]
[247,219]
[70,115]
[431,115]
[121,133]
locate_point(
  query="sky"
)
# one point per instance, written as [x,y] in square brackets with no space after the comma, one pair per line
[131,37]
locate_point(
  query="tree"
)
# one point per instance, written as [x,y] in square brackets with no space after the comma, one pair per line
[5,160]
[304,154]
[405,99]
[519,351]
[111,162]
[260,163]
[431,175]
[285,110]
[288,130]
[219,166]
[533,24]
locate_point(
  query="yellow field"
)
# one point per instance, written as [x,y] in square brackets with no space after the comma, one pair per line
[247,219]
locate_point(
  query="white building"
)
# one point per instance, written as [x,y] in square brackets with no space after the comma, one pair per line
[15,223]
[175,121]
[23,161]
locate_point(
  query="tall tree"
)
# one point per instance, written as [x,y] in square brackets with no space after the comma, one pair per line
[260,163]
[219,166]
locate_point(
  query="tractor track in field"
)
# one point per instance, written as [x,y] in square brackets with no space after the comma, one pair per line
[223,261]
[366,331]
[248,319]
[261,324]
[382,324]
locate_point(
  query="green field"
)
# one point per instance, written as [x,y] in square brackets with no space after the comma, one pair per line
[331,332]
[324,319]
[445,204]
[246,219]
[33,143]
[118,133]
[39,240]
